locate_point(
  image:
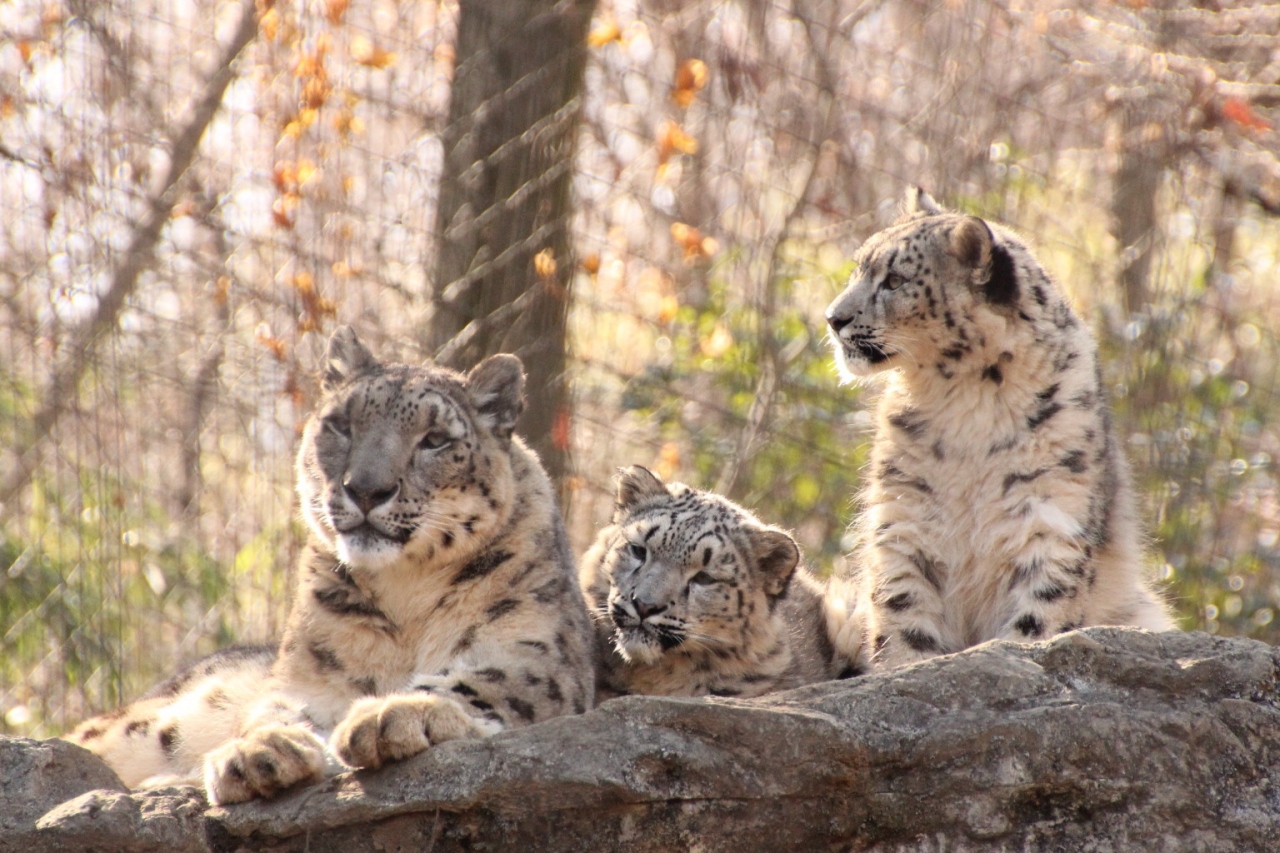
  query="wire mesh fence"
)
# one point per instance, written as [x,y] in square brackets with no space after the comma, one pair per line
[650,202]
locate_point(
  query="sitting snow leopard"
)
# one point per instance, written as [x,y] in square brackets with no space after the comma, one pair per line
[998,503]
[692,596]
[437,598]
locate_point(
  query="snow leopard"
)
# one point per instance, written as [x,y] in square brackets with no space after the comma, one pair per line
[998,502]
[692,595]
[437,598]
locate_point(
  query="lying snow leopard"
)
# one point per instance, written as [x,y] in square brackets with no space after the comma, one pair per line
[692,595]
[998,503]
[437,598]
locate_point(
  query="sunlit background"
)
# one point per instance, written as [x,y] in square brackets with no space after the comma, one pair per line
[729,158]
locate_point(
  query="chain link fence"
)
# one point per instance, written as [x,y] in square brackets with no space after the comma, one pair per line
[194,195]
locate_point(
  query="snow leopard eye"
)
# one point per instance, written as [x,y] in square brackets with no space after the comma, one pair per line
[893,281]
[434,440]
[338,426]
[702,579]
[638,551]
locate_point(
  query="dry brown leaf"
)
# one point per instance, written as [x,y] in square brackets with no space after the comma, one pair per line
[604,32]
[544,264]
[671,139]
[334,10]
[365,52]
[691,77]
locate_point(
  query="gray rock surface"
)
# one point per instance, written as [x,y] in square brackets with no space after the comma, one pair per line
[157,821]
[35,775]
[1101,740]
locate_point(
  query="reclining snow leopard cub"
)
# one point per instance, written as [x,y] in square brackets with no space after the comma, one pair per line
[998,502]
[692,596]
[437,598]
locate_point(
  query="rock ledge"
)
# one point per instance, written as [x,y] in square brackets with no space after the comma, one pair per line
[1099,740]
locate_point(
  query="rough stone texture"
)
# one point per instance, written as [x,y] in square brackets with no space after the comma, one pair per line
[35,775]
[164,819]
[1102,740]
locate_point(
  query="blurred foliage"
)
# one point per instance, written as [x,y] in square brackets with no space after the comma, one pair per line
[81,570]
[803,470]
[1198,437]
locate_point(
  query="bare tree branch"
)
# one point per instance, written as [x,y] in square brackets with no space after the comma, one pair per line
[77,353]
[770,367]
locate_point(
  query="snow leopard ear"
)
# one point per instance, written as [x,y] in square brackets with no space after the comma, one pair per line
[919,203]
[776,555]
[971,242]
[635,484]
[345,359]
[496,386]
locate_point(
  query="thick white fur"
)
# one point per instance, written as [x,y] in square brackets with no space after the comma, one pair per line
[998,502]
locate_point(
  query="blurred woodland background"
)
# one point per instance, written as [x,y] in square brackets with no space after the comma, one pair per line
[651,201]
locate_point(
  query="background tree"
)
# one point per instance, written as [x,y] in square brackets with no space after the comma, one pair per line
[505,264]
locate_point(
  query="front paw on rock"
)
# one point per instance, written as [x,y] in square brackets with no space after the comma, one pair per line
[263,763]
[377,730]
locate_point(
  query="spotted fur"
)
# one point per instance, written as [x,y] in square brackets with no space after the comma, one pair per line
[141,741]
[692,595]
[998,502]
[437,597]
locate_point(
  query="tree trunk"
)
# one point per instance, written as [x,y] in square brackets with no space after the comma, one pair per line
[504,266]
[1133,207]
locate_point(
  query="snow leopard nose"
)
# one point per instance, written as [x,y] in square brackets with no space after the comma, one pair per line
[368,492]
[645,609]
[836,322]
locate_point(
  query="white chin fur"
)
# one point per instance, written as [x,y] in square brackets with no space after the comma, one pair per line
[637,651]
[853,368]
[852,371]
[360,555]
